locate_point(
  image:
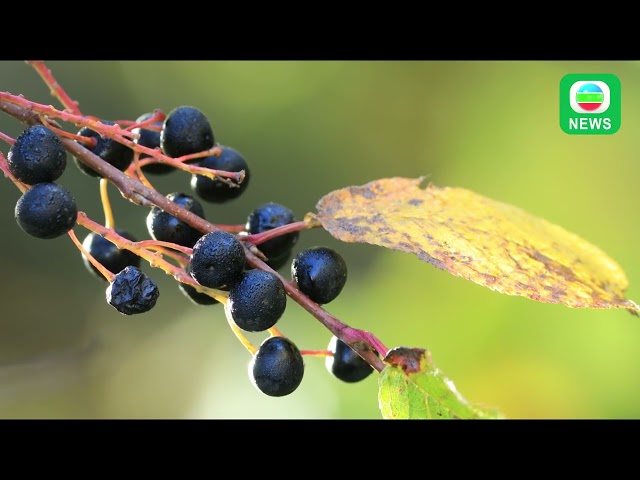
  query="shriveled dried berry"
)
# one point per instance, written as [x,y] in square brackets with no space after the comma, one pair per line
[131,292]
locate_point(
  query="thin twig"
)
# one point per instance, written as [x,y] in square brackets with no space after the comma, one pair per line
[56,90]
[361,341]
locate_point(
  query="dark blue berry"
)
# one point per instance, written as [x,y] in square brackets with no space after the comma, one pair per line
[165,227]
[186,130]
[320,273]
[215,190]
[108,254]
[109,150]
[151,139]
[131,292]
[37,156]
[267,217]
[345,364]
[257,300]
[194,295]
[217,259]
[46,210]
[277,367]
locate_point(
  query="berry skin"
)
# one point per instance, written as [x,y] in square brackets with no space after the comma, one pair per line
[111,257]
[150,139]
[217,259]
[266,217]
[320,273]
[131,291]
[37,156]
[213,189]
[46,210]
[256,301]
[112,152]
[194,295]
[185,130]
[277,367]
[346,364]
[165,227]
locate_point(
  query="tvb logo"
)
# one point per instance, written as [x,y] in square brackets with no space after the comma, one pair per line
[590,104]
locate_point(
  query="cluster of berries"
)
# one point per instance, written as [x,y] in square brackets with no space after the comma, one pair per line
[255,298]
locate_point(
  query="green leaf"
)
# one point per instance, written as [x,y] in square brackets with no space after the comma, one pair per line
[411,387]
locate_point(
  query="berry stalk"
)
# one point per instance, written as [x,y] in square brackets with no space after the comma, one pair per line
[251,348]
[259,238]
[155,244]
[130,188]
[88,142]
[121,135]
[109,275]
[154,259]
[158,116]
[316,353]
[4,166]
[7,138]
[106,204]
[56,90]
[166,249]
[361,341]
[136,169]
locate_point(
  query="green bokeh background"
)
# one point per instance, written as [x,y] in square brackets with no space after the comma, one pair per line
[307,128]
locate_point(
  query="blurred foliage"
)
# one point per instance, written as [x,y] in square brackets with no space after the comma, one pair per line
[307,128]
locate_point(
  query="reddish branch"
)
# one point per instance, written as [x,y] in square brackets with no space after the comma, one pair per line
[56,90]
[122,136]
[361,341]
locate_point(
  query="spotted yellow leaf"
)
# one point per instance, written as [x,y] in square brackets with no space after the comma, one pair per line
[493,244]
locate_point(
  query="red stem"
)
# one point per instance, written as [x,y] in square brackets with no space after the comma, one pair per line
[124,137]
[89,142]
[158,116]
[316,353]
[361,341]
[258,238]
[7,138]
[56,90]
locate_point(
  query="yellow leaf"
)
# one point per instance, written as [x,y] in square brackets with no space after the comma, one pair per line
[494,244]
